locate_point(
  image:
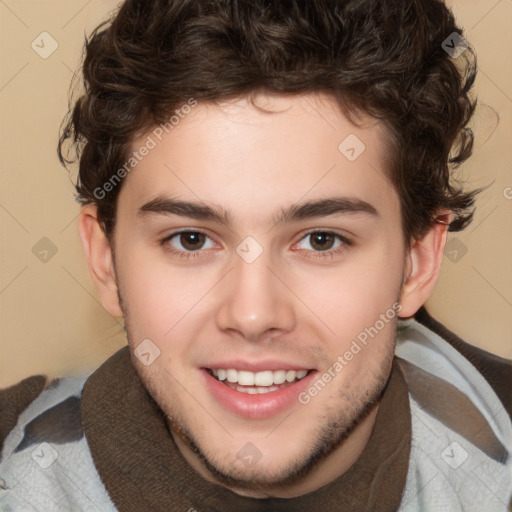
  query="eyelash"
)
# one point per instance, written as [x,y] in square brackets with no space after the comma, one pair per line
[315,254]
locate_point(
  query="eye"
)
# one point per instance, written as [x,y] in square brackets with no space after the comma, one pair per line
[327,242]
[188,241]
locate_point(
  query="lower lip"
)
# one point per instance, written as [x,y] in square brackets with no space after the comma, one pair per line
[258,406]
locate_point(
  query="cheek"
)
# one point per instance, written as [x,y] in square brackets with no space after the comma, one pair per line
[162,301]
[356,292]
[150,297]
[358,305]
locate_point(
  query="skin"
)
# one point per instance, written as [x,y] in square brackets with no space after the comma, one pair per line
[287,304]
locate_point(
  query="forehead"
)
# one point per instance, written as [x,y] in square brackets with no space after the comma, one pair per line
[251,159]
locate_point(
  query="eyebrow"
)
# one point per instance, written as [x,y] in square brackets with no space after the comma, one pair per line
[320,208]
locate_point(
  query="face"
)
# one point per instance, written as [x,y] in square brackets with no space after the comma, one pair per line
[257,258]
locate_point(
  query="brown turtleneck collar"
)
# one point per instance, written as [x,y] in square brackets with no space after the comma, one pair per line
[142,468]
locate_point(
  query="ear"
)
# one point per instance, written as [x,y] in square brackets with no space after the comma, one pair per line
[423,265]
[99,259]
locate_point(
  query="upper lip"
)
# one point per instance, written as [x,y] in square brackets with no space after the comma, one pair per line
[256,366]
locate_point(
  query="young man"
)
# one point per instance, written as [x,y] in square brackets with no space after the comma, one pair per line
[266,191]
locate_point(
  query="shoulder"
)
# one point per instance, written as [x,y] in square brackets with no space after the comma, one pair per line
[460,387]
[15,399]
[460,402]
[496,370]
[45,459]
[36,410]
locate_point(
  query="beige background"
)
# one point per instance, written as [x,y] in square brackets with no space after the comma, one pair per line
[50,319]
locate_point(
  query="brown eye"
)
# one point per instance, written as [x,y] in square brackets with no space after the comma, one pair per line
[322,241]
[323,244]
[191,240]
[188,241]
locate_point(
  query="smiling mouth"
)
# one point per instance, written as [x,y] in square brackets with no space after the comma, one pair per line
[254,383]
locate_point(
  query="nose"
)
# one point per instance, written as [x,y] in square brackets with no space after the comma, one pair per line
[255,302]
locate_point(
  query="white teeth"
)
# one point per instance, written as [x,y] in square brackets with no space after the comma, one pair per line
[301,374]
[246,378]
[279,376]
[264,379]
[290,375]
[232,375]
[256,391]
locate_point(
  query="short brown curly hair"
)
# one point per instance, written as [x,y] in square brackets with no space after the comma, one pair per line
[383,58]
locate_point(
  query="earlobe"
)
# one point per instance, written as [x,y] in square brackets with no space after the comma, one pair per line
[98,253]
[422,269]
